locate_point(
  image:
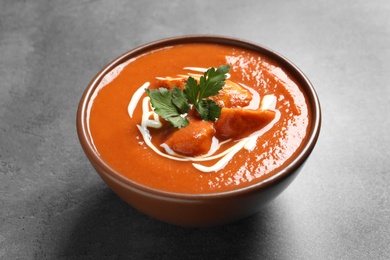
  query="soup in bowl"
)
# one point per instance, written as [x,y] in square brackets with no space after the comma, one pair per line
[199,130]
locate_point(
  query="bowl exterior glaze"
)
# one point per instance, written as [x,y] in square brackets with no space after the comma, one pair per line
[200,209]
[197,212]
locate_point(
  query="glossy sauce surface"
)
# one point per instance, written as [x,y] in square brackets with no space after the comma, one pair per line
[119,142]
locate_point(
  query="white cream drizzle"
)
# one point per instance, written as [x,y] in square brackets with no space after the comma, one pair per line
[151,119]
[136,97]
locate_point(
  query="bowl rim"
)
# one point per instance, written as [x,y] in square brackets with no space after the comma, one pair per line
[287,65]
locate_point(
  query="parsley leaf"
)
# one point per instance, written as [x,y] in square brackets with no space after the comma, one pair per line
[208,110]
[191,90]
[212,81]
[180,101]
[173,105]
[209,85]
[170,105]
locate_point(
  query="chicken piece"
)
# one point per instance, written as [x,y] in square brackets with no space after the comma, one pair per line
[192,140]
[232,95]
[237,123]
[171,83]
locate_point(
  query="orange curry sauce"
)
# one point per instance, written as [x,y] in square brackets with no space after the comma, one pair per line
[120,143]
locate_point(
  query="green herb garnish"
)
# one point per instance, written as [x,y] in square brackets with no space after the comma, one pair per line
[173,105]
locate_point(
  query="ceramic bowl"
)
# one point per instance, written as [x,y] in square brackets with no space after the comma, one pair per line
[200,209]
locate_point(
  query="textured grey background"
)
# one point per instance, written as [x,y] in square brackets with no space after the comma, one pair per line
[53,205]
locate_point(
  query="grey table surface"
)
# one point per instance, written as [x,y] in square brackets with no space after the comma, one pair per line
[54,206]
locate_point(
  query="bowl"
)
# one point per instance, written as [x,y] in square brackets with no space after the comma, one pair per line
[200,210]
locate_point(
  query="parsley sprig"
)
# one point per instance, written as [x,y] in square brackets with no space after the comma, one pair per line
[172,105]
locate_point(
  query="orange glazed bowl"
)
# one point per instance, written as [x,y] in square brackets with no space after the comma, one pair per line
[181,206]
